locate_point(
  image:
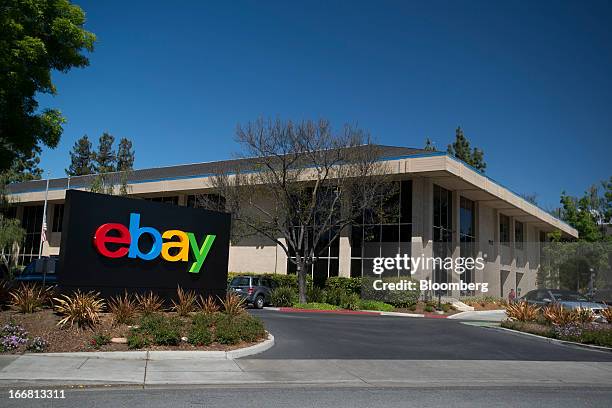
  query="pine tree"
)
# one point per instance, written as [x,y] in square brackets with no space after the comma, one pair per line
[25,167]
[429,146]
[607,200]
[80,158]
[461,150]
[125,155]
[105,159]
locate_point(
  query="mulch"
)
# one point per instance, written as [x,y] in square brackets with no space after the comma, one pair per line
[43,323]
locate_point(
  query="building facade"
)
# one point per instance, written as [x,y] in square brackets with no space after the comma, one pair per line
[441,207]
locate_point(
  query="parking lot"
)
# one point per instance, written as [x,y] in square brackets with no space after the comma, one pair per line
[339,336]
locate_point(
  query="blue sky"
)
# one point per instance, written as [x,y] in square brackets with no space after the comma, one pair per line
[528,81]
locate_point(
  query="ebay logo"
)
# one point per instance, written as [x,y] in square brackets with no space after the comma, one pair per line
[125,242]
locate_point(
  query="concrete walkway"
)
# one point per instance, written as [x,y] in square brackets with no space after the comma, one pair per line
[61,370]
[481,316]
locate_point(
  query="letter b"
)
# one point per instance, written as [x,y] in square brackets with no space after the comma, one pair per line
[136,232]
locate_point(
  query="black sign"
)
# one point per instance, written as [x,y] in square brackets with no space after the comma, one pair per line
[111,244]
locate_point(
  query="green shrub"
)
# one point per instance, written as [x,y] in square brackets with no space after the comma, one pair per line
[234,329]
[99,340]
[316,306]
[350,301]
[199,335]
[205,319]
[150,322]
[250,328]
[167,336]
[335,296]
[163,331]
[597,337]
[315,295]
[347,285]
[342,298]
[429,308]
[397,298]
[226,331]
[283,296]
[138,340]
[376,305]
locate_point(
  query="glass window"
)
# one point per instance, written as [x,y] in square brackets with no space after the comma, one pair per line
[58,217]
[467,218]
[210,201]
[467,238]
[384,230]
[443,215]
[518,234]
[168,200]
[442,231]
[504,229]
[406,202]
[240,281]
[32,223]
[542,294]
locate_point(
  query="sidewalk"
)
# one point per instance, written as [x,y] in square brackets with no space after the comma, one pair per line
[482,316]
[33,370]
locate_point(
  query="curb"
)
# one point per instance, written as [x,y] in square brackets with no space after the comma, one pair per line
[164,355]
[400,314]
[360,312]
[339,311]
[251,350]
[556,341]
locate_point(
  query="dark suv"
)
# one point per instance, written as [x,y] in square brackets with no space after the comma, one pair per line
[42,270]
[254,290]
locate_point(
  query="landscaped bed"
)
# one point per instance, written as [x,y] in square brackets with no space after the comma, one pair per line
[128,323]
[341,293]
[556,322]
[484,302]
[445,309]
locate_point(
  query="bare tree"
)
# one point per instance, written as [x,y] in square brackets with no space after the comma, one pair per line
[300,185]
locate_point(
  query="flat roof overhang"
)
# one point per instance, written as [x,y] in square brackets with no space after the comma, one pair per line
[440,168]
[453,174]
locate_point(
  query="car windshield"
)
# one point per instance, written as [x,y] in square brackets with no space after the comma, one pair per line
[569,296]
[240,281]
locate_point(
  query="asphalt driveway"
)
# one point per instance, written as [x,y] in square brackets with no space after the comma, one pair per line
[336,336]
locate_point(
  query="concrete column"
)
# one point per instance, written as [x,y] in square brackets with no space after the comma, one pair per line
[280,265]
[422,223]
[481,242]
[344,253]
[493,270]
[453,277]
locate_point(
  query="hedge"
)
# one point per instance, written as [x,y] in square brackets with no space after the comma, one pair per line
[347,285]
[397,298]
[279,279]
